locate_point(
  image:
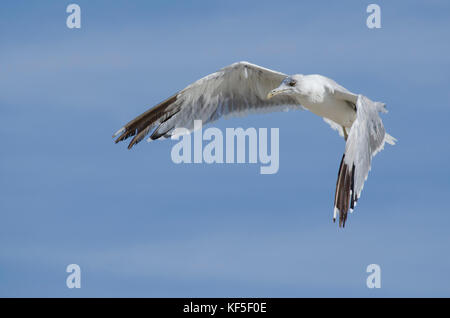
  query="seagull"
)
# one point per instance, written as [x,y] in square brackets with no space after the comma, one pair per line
[243,88]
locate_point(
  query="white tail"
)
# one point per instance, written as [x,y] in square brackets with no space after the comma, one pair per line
[389,139]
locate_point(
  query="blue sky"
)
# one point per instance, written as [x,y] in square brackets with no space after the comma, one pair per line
[139,225]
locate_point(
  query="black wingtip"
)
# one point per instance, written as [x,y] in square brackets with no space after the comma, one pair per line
[345,196]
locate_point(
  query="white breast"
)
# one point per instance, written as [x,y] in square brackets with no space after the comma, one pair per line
[315,96]
[327,106]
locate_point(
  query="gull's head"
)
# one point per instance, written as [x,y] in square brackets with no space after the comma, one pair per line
[289,86]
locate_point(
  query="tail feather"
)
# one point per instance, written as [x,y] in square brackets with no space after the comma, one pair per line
[389,139]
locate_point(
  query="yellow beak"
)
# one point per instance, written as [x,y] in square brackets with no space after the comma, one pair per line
[271,94]
[274,92]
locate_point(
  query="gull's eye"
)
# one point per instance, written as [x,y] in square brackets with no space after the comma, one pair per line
[292,83]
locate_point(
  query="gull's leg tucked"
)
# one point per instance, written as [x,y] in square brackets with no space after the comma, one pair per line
[345,133]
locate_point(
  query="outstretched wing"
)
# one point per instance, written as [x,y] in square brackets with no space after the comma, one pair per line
[366,138]
[238,89]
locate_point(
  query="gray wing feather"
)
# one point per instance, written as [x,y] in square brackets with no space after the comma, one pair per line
[236,90]
[365,140]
